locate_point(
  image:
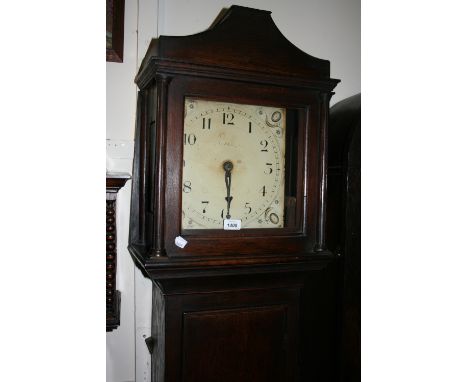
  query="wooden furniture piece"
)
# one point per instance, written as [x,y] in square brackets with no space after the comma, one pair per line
[344,229]
[115,16]
[218,113]
[114,182]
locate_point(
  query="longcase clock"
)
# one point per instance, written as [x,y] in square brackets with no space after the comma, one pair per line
[228,204]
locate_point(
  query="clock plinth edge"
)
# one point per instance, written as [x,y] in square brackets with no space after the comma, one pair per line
[176,267]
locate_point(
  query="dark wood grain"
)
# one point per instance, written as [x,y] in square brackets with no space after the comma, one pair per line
[249,342]
[235,305]
[207,327]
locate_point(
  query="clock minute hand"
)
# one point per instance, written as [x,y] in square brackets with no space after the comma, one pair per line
[228,166]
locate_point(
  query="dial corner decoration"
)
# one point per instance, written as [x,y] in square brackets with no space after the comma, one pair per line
[233,165]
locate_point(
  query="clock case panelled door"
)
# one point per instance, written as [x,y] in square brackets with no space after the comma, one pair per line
[247,305]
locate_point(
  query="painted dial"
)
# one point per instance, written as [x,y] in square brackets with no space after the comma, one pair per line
[233,165]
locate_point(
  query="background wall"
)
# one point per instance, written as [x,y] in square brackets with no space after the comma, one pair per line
[328,29]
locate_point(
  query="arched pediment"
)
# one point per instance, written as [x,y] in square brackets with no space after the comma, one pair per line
[242,39]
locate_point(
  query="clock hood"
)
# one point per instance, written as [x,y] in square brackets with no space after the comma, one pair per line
[268,53]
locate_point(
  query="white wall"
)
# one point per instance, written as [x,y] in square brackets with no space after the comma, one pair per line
[328,29]
[127,358]
[120,94]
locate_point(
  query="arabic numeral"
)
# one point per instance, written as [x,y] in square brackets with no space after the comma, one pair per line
[189,139]
[228,119]
[187,186]
[274,218]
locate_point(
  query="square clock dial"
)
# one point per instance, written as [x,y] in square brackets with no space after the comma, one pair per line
[233,165]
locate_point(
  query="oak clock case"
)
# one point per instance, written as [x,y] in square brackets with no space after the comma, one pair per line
[232,126]
[204,179]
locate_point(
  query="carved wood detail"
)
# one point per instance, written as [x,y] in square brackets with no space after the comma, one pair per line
[112,295]
[113,185]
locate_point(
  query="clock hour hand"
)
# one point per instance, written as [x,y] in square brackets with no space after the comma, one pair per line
[228,166]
